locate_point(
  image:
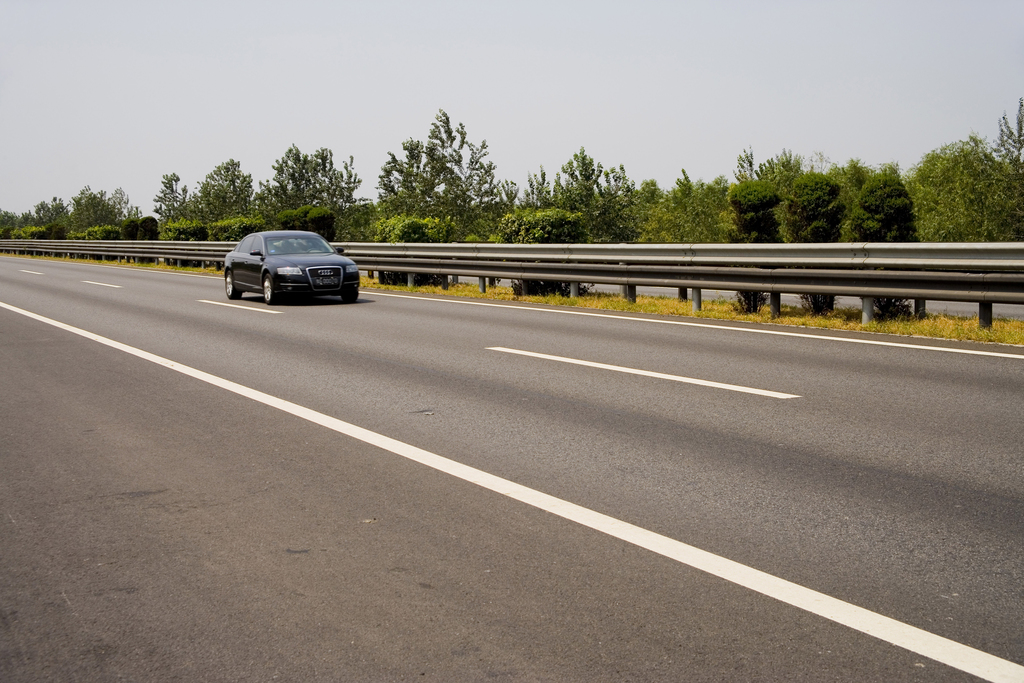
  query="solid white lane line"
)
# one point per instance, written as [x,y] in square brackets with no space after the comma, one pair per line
[949,652]
[134,269]
[101,284]
[780,333]
[244,308]
[33,272]
[646,373]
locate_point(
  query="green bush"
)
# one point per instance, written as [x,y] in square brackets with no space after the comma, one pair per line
[29,232]
[56,230]
[321,221]
[753,203]
[815,214]
[312,218]
[184,231]
[543,226]
[404,228]
[884,211]
[815,209]
[234,229]
[149,229]
[96,232]
[130,228]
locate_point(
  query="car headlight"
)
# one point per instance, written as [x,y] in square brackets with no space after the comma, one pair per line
[289,270]
[352,268]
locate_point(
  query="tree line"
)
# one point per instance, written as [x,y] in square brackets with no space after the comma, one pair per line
[446,189]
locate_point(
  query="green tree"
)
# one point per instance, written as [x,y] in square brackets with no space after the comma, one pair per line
[54,211]
[1009,148]
[691,212]
[781,171]
[446,177]
[89,209]
[357,223]
[171,202]
[959,192]
[851,178]
[308,180]
[12,221]
[538,191]
[226,192]
[606,198]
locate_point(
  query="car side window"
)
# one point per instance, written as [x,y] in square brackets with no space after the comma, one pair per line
[257,243]
[244,246]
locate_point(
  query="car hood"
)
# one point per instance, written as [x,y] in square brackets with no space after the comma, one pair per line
[307,260]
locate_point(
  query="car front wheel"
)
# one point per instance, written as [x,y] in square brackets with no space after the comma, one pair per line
[269,295]
[349,295]
[229,286]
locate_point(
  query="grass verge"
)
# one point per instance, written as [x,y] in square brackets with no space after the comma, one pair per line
[940,326]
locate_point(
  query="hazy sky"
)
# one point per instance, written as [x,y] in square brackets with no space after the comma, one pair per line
[116,94]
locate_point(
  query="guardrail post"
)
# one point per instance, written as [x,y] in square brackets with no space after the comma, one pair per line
[483,285]
[696,299]
[867,309]
[630,293]
[526,288]
[410,280]
[623,289]
[574,290]
[444,282]
[775,302]
[455,279]
[682,293]
[920,308]
[985,314]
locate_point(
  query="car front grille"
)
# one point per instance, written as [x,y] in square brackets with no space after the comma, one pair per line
[324,277]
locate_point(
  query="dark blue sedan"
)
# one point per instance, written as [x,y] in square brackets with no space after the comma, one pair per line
[289,262]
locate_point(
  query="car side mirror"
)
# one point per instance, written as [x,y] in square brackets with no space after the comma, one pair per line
[256,252]
[340,250]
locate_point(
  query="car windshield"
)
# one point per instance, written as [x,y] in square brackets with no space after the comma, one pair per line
[307,244]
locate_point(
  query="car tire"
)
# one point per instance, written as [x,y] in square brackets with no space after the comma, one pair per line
[349,295]
[229,286]
[270,297]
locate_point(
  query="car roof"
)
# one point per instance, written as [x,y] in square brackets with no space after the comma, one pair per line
[288,233]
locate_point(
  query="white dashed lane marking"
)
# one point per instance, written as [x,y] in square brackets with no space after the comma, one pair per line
[244,308]
[647,373]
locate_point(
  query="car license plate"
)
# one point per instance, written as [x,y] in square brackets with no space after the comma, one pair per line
[325,281]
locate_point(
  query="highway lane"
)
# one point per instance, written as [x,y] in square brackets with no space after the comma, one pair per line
[893,483]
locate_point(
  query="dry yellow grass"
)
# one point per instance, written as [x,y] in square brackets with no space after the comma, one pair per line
[940,326]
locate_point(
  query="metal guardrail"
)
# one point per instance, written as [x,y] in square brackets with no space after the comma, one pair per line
[983,273]
[971,256]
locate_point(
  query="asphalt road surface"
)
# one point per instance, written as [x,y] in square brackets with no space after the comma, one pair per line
[419,489]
